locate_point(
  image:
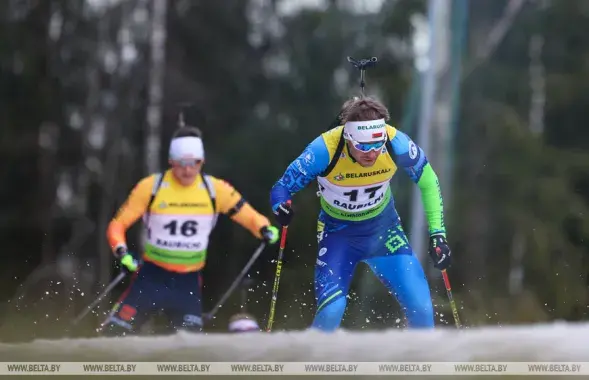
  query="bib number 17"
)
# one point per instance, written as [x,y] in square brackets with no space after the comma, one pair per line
[371,191]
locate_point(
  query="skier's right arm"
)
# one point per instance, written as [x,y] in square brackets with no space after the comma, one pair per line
[304,169]
[133,208]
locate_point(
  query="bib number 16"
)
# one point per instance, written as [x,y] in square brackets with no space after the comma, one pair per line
[188,228]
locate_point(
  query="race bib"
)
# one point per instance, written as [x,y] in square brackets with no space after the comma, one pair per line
[186,233]
[352,198]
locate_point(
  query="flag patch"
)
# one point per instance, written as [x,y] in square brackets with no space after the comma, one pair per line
[376,135]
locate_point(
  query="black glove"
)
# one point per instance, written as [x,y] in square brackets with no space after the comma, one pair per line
[440,252]
[284,213]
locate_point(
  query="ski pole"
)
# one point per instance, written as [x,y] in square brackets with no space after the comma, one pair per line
[451,298]
[236,282]
[277,278]
[110,287]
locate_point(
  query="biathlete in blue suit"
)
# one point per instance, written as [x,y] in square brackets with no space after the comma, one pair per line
[353,164]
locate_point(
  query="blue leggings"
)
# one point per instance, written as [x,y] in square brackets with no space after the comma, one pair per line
[388,255]
[155,289]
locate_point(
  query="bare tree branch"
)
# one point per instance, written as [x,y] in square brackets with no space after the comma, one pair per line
[496,36]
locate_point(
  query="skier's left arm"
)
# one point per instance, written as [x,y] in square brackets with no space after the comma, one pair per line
[412,159]
[231,203]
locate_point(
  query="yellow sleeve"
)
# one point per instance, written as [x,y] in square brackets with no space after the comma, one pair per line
[231,203]
[133,208]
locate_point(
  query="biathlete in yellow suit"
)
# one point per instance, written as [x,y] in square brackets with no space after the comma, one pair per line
[179,210]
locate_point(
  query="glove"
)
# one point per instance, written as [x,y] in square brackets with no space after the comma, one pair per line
[440,252]
[284,213]
[126,259]
[129,263]
[269,234]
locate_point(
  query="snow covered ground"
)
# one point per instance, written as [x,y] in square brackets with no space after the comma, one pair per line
[551,342]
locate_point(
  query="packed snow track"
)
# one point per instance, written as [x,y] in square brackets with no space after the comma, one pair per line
[547,342]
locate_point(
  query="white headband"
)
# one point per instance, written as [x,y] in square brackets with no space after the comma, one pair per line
[366,131]
[187,147]
[243,325]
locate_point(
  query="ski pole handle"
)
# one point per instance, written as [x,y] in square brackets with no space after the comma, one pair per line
[363,64]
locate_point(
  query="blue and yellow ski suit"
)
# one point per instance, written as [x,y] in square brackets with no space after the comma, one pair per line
[358,222]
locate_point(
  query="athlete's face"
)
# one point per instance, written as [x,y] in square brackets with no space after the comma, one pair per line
[186,170]
[365,159]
